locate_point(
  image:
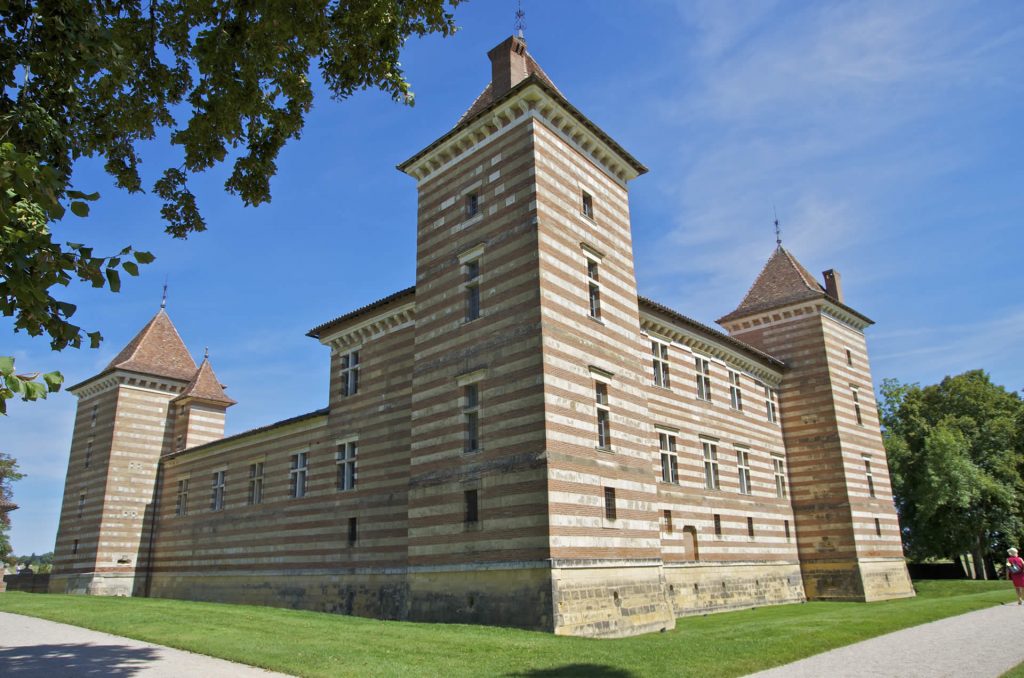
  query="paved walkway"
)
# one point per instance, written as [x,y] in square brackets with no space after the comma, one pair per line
[981,644]
[31,648]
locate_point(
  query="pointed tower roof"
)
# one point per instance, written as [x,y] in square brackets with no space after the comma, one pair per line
[158,350]
[206,386]
[510,65]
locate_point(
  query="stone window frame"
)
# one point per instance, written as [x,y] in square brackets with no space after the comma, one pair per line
[869,476]
[712,471]
[349,371]
[771,402]
[472,276]
[181,497]
[346,461]
[779,472]
[587,204]
[257,468]
[669,456]
[218,490]
[661,362]
[855,395]
[471,410]
[743,469]
[298,468]
[702,368]
[735,390]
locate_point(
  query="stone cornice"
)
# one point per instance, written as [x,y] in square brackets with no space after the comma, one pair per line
[112,379]
[702,344]
[797,311]
[372,327]
[532,98]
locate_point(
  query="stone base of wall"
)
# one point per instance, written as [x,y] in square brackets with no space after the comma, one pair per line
[610,599]
[93,584]
[513,594]
[699,588]
[886,579]
[857,580]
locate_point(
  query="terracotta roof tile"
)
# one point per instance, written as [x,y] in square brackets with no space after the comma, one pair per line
[486,97]
[401,294]
[783,280]
[6,505]
[158,350]
[205,386]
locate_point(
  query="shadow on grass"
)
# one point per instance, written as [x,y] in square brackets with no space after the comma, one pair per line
[574,671]
[74,659]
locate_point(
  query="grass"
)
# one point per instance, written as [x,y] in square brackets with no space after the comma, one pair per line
[316,644]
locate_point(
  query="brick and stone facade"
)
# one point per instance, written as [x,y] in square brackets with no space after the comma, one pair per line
[520,439]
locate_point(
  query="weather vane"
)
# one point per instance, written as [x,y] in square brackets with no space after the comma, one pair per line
[778,230]
[163,301]
[520,20]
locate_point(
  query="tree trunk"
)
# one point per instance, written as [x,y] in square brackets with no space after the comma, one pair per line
[979,559]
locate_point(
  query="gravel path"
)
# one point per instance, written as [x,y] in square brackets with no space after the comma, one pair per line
[981,644]
[31,647]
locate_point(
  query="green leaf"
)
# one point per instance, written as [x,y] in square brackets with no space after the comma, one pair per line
[131,267]
[66,309]
[15,384]
[144,257]
[53,381]
[114,280]
[6,365]
[34,390]
[79,208]
[94,339]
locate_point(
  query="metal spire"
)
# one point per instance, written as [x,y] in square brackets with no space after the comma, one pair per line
[778,231]
[520,20]
[163,300]
[206,353]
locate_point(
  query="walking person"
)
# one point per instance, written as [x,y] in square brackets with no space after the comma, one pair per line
[1015,573]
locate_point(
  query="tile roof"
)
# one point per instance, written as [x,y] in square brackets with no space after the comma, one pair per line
[157,350]
[6,505]
[261,429]
[205,386]
[486,97]
[362,310]
[782,281]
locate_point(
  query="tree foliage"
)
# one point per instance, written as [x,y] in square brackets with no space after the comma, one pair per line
[8,474]
[955,452]
[222,78]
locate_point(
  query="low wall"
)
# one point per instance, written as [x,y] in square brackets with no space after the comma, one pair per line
[29,583]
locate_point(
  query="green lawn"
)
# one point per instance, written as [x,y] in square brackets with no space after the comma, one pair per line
[315,644]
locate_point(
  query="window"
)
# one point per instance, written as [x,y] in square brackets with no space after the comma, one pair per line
[350,373]
[856,405]
[878,528]
[593,280]
[668,521]
[660,353]
[743,465]
[849,357]
[703,378]
[95,412]
[81,504]
[217,497]
[298,475]
[711,481]
[669,459]
[735,394]
[472,506]
[256,483]
[610,510]
[718,525]
[785,526]
[179,442]
[770,406]
[587,207]
[604,440]
[472,205]
[74,547]
[472,287]
[870,476]
[181,503]
[750,527]
[352,532]
[88,453]
[779,466]
[471,417]
[346,463]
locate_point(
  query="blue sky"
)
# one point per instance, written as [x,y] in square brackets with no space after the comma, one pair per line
[888,137]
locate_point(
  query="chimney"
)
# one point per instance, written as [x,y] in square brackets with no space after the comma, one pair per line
[508,66]
[834,284]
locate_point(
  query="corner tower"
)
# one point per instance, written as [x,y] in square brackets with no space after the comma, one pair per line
[125,421]
[847,530]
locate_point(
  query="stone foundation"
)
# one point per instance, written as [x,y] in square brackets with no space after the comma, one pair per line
[94,584]
[885,579]
[858,580]
[699,588]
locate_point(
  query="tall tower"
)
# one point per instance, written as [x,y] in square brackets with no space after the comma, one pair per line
[150,400]
[527,334]
[847,530]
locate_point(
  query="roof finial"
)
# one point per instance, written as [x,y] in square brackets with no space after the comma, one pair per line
[163,300]
[520,20]
[778,231]
[206,353]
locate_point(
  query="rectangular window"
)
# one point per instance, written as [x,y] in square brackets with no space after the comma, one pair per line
[604,439]
[81,504]
[298,474]
[217,495]
[878,528]
[735,394]
[711,480]
[718,525]
[668,521]
[593,278]
[856,404]
[660,353]
[785,526]
[750,527]
[74,547]
[95,412]
[587,208]
[849,357]
[779,466]
[181,503]
[703,378]
[472,506]
[743,465]
[610,510]
[346,463]
[256,483]
[870,476]
[471,417]
[352,532]
[669,459]
[88,453]
[350,373]
[770,406]
[472,287]
[472,205]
